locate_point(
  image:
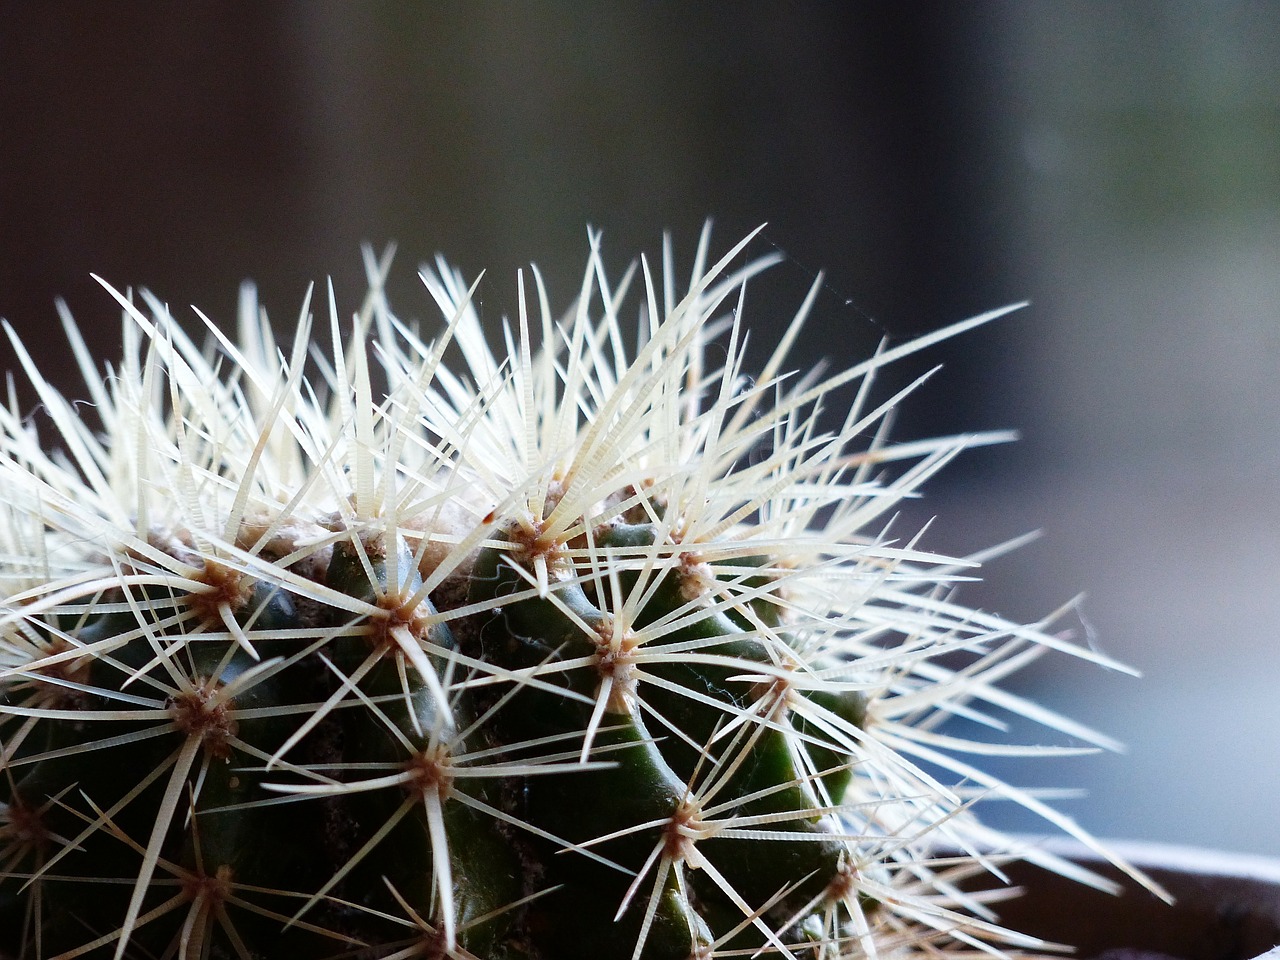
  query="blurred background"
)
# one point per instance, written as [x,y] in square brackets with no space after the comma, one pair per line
[1118,164]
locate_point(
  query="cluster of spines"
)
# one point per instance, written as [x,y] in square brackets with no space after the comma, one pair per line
[590,649]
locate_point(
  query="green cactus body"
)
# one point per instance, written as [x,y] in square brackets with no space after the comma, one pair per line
[577,653]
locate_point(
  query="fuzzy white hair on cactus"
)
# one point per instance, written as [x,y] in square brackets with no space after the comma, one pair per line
[592,647]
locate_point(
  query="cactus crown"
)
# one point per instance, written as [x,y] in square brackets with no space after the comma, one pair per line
[600,648]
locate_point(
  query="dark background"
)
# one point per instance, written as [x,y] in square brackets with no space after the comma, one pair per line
[1116,163]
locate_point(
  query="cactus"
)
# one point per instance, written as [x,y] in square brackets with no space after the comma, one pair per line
[596,649]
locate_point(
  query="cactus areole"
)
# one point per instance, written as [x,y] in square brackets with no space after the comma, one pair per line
[397,648]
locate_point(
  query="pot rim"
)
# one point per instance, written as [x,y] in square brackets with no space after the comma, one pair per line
[1145,854]
[1224,903]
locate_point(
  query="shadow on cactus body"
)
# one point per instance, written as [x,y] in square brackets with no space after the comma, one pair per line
[587,651]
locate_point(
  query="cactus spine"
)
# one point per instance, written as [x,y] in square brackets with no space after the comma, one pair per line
[591,650]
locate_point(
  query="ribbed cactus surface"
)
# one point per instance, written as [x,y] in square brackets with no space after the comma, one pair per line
[596,648]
